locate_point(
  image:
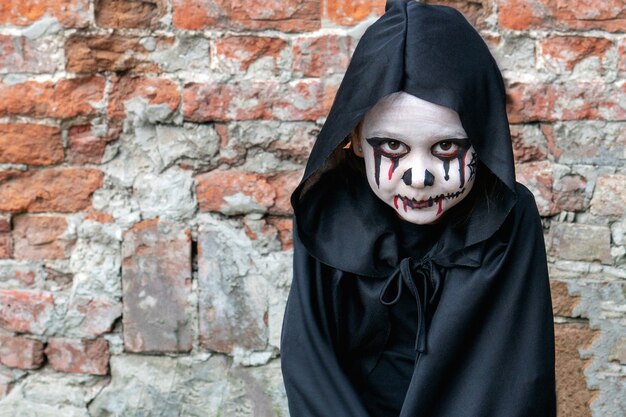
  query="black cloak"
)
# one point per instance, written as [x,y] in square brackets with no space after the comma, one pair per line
[385,317]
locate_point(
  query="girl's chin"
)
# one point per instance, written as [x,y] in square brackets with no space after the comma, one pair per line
[420,218]
[420,223]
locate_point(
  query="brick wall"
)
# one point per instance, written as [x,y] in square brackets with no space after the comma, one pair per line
[147,152]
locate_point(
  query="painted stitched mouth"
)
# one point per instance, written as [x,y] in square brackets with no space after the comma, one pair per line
[420,204]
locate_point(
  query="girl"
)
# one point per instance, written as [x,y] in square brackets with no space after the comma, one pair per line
[420,284]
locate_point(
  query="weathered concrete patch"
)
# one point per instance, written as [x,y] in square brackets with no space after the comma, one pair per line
[232,292]
[52,394]
[566,242]
[166,196]
[189,386]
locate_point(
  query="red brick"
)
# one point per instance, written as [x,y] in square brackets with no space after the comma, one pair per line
[69,13]
[552,195]
[251,100]
[62,190]
[573,396]
[567,51]
[330,87]
[129,13]
[569,192]
[78,356]
[5,224]
[232,151]
[116,53]
[226,102]
[99,217]
[346,12]
[285,232]
[321,55]
[6,245]
[22,143]
[282,15]
[23,55]
[284,183]
[234,192]
[563,304]
[25,311]
[609,196]
[551,141]
[609,15]
[6,240]
[240,52]
[621,53]
[522,14]
[199,14]
[64,99]
[40,237]
[85,147]
[538,177]
[155,91]
[156,282]
[567,101]
[476,11]
[20,352]
[526,148]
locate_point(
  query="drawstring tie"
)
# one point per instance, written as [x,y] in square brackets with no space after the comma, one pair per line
[406,274]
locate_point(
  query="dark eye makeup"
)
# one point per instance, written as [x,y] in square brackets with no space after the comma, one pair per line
[450,148]
[391,148]
[444,149]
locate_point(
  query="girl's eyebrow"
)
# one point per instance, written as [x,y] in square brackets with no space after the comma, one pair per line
[436,137]
[380,138]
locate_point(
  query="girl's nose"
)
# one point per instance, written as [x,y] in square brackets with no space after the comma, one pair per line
[426,181]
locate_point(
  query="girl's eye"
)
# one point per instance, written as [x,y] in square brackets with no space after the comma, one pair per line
[446,149]
[394,147]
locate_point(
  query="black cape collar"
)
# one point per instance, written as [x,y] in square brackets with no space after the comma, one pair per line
[347,227]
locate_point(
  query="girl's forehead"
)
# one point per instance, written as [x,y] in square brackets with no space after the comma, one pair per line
[406,117]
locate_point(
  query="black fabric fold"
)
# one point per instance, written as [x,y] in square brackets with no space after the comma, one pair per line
[419,278]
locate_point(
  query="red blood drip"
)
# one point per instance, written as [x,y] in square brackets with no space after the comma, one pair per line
[395,201]
[439,208]
[392,167]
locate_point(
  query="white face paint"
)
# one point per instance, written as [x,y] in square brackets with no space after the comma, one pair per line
[417,156]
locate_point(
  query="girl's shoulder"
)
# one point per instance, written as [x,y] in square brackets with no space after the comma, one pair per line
[523,221]
[526,203]
[523,193]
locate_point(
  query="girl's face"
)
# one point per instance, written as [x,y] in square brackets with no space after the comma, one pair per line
[417,156]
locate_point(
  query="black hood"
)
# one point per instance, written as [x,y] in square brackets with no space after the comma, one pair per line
[433,53]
